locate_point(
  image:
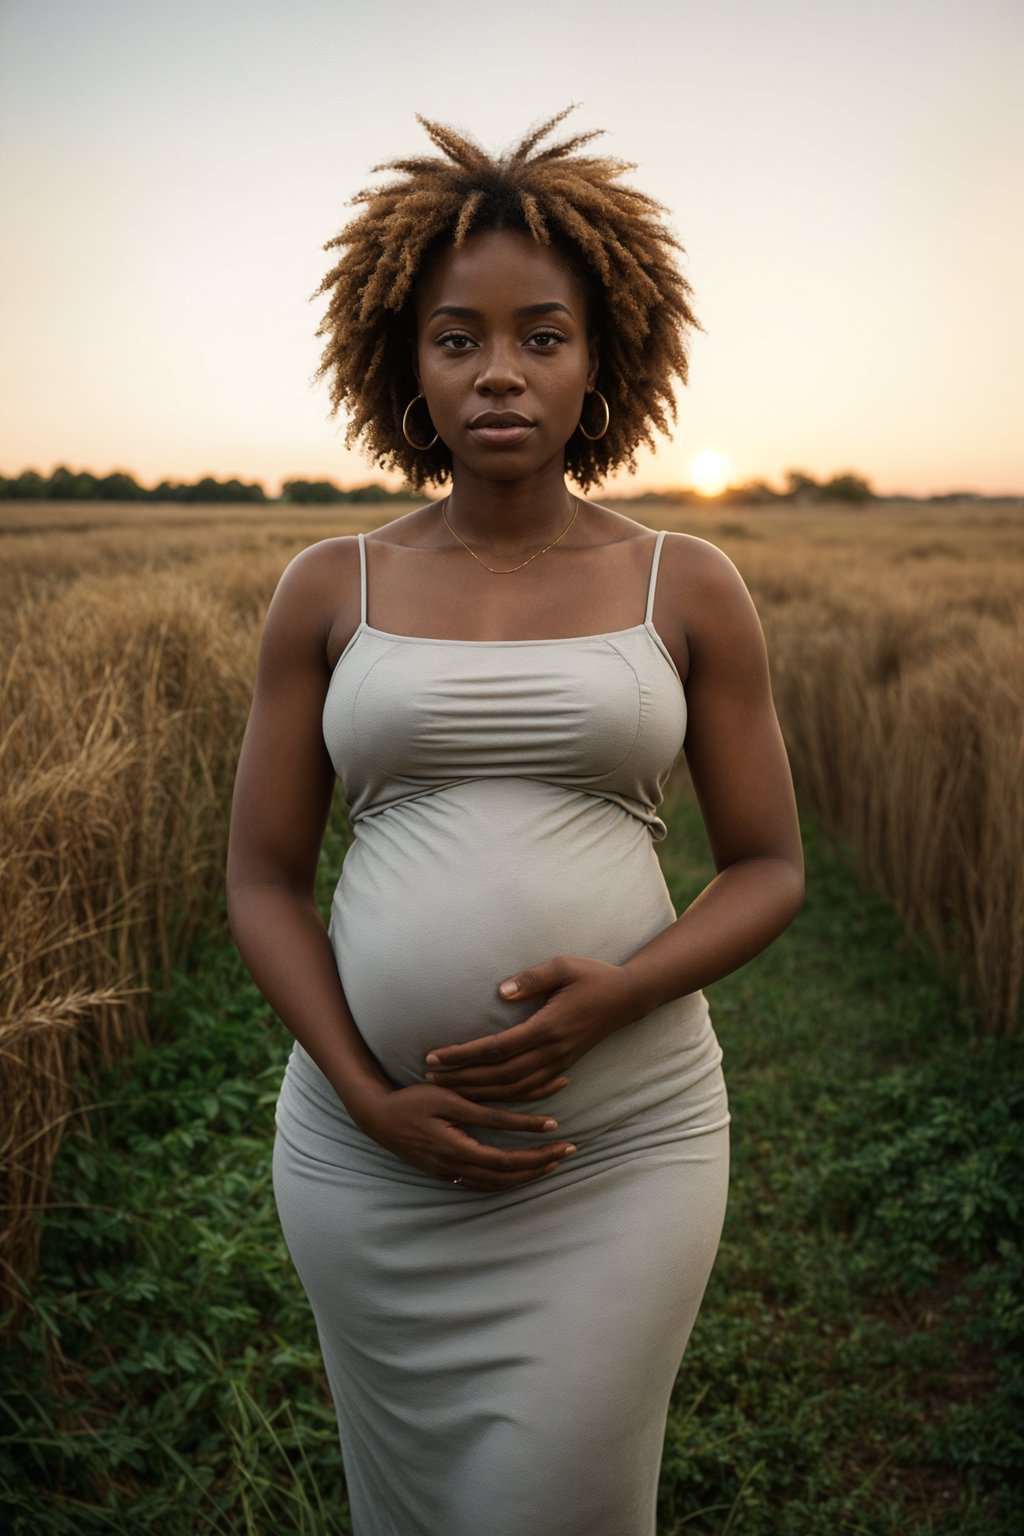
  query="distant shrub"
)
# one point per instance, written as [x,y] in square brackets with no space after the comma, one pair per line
[309,493]
[800,485]
[846,487]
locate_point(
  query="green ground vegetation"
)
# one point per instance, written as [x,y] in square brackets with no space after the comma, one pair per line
[855,1367]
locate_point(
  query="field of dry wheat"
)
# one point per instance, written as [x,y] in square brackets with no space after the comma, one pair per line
[127,642]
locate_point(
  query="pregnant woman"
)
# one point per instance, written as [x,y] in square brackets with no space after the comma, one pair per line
[502,1137]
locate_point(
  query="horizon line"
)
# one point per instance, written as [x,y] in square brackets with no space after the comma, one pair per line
[376,482]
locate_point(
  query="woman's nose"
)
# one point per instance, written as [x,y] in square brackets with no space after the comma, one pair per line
[500,371]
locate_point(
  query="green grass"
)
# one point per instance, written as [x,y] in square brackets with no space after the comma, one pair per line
[853,1367]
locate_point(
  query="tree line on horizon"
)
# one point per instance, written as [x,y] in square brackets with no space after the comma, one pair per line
[82,485]
[65,484]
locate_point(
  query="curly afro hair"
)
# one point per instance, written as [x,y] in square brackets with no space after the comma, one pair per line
[638,302]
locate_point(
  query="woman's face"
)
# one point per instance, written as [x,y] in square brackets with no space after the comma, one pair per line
[502,353]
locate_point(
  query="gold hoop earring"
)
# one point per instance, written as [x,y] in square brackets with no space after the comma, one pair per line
[596,436]
[422,447]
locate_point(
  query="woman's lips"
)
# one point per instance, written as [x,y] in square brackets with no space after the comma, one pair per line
[513,433]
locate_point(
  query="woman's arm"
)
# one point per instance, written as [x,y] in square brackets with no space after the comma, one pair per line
[281,802]
[279,811]
[740,772]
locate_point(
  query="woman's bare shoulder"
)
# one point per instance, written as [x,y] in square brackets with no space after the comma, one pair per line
[318,588]
[320,563]
[704,597]
[697,567]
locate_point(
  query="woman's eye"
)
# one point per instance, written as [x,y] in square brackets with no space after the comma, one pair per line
[453,341]
[549,340]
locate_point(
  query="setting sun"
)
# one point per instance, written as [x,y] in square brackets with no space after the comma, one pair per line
[710,472]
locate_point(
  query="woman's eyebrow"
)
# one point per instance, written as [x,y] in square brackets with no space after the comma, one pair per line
[462,313]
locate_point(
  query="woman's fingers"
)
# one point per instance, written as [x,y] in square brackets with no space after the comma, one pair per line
[503,1167]
[433,1128]
[512,1159]
[547,977]
[514,1070]
[538,1085]
[480,1166]
[488,1050]
[464,1112]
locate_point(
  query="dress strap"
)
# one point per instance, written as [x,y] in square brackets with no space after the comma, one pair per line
[362,579]
[654,577]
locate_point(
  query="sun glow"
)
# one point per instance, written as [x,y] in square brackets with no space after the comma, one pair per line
[710,472]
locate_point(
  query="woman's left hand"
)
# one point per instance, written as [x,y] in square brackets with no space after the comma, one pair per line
[590,999]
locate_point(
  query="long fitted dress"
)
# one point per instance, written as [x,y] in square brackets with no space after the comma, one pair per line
[501,1363]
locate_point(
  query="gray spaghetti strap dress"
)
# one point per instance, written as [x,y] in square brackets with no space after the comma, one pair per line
[501,1363]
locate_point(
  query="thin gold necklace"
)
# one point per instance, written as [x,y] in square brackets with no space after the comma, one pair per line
[537,553]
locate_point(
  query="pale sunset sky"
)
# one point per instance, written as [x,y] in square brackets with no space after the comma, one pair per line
[844,174]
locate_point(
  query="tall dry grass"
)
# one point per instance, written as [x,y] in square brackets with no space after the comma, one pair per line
[907,739]
[122,705]
[128,636]
[897,644]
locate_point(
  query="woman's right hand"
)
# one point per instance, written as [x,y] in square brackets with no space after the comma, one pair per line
[427,1127]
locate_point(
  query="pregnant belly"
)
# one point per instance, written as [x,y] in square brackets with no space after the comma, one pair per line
[442,897]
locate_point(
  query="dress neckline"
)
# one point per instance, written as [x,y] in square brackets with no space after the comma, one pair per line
[610,635]
[607,634]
